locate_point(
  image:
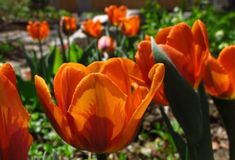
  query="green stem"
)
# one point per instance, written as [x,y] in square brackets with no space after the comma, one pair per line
[68,48]
[102,156]
[90,45]
[62,46]
[86,51]
[123,41]
[42,62]
[107,30]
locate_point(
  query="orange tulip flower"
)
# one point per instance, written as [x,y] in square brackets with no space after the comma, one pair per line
[38,30]
[220,74]
[99,106]
[145,60]
[68,25]
[15,139]
[106,43]
[92,28]
[130,25]
[187,48]
[116,14]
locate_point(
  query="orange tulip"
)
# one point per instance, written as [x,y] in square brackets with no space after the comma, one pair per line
[116,14]
[187,48]
[68,25]
[99,106]
[220,74]
[106,43]
[92,28]
[130,25]
[15,139]
[147,38]
[38,30]
[145,60]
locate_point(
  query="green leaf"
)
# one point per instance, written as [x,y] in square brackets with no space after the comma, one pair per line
[226,109]
[75,53]
[204,148]
[182,98]
[32,62]
[178,140]
[55,59]
[27,88]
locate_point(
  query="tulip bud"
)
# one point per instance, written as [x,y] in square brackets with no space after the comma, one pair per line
[68,25]
[38,30]
[106,44]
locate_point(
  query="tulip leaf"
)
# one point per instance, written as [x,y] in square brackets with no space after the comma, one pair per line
[32,61]
[182,98]
[178,140]
[204,148]
[75,53]
[55,59]
[226,109]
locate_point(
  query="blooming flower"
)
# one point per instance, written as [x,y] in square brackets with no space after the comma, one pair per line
[15,139]
[106,43]
[130,25]
[92,28]
[99,106]
[116,14]
[187,48]
[220,74]
[38,30]
[68,25]
[145,60]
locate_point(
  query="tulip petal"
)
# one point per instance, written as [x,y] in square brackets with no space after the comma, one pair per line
[226,58]
[145,59]
[200,34]
[94,29]
[95,67]
[114,69]
[130,25]
[181,63]
[23,140]
[13,122]
[216,79]
[132,69]
[54,113]
[128,134]
[180,37]
[8,71]
[116,14]
[201,50]
[98,111]
[65,82]
[128,70]
[161,36]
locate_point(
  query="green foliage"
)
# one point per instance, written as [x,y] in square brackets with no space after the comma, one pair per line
[5,49]
[20,10]
[46,142]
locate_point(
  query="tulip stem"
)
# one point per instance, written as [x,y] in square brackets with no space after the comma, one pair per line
[123,40]
[102,156]
[62,46]
[68,48]
[41,60]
